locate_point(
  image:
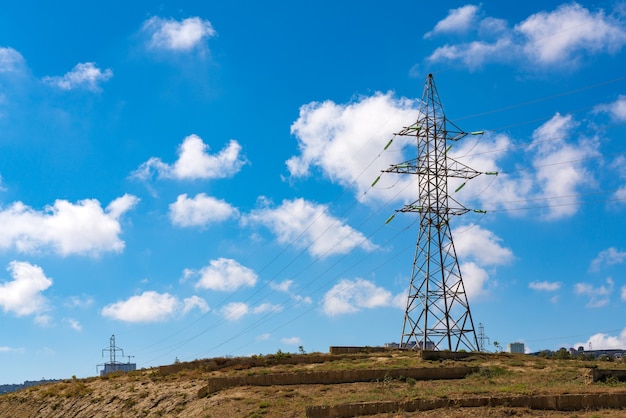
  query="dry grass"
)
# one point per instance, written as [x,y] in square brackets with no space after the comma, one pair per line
[173,392]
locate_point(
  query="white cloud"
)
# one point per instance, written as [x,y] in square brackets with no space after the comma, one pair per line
[225,274]
[23,295]
[559,165]
[234,311]
[291,340]
[598,296]
[266,307]
[314,228]
[619,169]
[458,20]
[74,324]
[608,257]
[475,279]
[473,241]
[475,54]
[151,306]
[350,296]
[561,169]
[563,35]
[11,61]
[84,75]
[66,228]
[558,38]
[173,35]
[545,286]
[285,287]
[623,293]
[343,141]
[199,210]
[327,132]
[195,302]
[478,248]
[195,163]
[603,341]
[616,109]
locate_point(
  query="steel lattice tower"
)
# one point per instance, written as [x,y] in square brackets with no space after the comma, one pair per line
[437,313]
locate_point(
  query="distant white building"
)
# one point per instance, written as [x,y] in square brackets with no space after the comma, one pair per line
[516,348]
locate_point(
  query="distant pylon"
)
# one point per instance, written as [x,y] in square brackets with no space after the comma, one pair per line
[437,313]
[482,337]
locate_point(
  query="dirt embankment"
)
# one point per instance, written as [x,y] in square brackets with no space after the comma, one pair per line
[377,384]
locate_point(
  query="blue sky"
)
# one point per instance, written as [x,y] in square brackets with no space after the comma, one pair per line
[195,177]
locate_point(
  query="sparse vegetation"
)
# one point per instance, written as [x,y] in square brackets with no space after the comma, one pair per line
[176,390]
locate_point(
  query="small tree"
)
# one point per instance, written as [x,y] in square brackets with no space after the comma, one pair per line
[497,346]
[562,354]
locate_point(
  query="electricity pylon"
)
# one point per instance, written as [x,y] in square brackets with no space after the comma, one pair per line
[437,313]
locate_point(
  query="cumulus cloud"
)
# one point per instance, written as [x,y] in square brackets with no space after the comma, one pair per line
[475,279]
[563,34]
[350,296]
[458,20]
[618,166]
[266,307]
[604,341]
[286,287]
[474,54]
[225,274]
[561,170]
[11,61]
[561,37]
[545,286]
[23,295]
[194,162]
[343,140]
[479,249]
[598,296]
[235,310]
[616,109]
[608,257]
[475,242]
[559,166]
[327,132]
[178,36]
[194,302]
[152,306]
[199,210]
[314,228]
[65,228]
[83,76]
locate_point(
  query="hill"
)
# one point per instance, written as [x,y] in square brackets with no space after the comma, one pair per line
[301,385]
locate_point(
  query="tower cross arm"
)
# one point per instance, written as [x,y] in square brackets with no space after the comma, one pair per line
[460,170]
[407,167]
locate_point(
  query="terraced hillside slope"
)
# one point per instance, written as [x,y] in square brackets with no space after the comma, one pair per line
[382,384]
